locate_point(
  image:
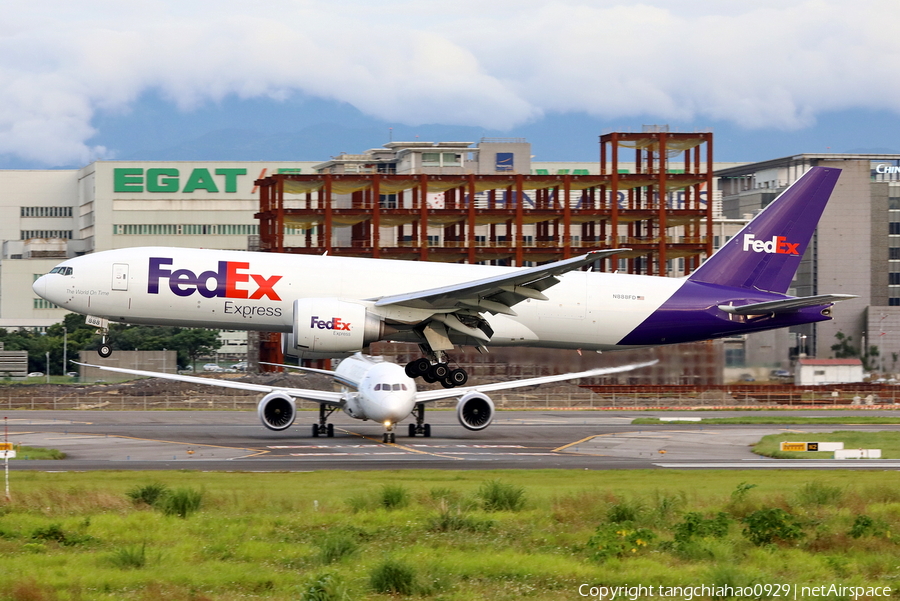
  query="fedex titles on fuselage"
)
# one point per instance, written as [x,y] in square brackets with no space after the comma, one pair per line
[777,245]
[232,280]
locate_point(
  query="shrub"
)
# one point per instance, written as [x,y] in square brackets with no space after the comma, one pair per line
[149,494]
[54,532]
[740,492]
[337,546]
[615,540]
[624,511]
[325,588]
[393,577]
[181,502]
[450,520]
[500,496]
[394,497]
[816,493]
[130,557]
[695,525]
[772,525]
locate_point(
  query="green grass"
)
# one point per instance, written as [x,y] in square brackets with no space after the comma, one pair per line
[888,442]
[23,453]
[288,536]
[780,419]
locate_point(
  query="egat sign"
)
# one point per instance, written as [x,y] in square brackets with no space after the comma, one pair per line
[171,179]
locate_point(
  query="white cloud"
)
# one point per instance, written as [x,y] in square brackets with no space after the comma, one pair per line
[773,64]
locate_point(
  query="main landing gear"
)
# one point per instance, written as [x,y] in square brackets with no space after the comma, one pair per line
[420,427]
[323,428]
[436,369]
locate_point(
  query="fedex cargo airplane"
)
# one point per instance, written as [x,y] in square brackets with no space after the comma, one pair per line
[327,306]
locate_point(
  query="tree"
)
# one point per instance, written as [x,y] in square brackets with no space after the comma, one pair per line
[844,348]
[78,336]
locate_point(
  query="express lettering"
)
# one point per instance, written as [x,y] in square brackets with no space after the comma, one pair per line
[226,282]
[334,323]
[777,245]
[249,311]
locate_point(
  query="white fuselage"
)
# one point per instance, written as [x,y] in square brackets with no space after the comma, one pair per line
[384,393]
[255,291]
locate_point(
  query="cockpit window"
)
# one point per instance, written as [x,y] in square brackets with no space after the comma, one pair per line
[378,387]
[62,270]
[396,387]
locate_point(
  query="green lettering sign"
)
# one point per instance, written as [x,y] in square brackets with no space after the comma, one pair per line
[231,178]
[128,179]
[162,180]
[200,179]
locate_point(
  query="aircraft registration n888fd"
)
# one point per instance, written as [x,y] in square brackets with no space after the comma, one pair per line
[329,306]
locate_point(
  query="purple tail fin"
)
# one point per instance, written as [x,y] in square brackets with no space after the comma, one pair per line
[766,253]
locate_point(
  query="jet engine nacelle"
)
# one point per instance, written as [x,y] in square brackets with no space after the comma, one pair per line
[475,411]
[277,411]
[331,325]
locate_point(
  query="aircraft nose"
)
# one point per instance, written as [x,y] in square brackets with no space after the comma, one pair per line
[40,286]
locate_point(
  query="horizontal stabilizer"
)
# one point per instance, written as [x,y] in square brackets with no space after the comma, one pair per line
[786,305]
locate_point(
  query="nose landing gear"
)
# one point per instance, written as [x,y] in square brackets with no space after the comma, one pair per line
[420,427]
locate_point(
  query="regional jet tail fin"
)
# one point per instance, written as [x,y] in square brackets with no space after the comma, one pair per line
[766,253]
[786,305]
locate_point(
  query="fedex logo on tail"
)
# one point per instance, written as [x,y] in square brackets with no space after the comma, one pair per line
[230,280]
[777,245]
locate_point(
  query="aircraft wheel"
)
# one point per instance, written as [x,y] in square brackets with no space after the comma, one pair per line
[438,371]
[447,382]
[427,433]
[412,430]
[384,438]
[104,351]
[410,371]
[417,367]
[458,377]
[315,430]
[392,438]
[330,430]
[428,377]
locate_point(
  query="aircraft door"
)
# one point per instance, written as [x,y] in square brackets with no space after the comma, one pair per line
[120,276]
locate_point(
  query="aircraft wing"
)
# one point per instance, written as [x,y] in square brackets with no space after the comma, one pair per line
[425,396]
[319,396]
[495,294]
[786,305]
[324,372]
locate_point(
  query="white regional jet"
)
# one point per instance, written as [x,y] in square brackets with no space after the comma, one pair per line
[374,390]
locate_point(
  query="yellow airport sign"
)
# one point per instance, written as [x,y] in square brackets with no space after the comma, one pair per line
[6,446]
[793,446]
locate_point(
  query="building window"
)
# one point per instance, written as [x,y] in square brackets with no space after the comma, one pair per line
[894,228]
[29,234]
[894,279]
[894,254]
[40,303]
[45,211]
[894,302]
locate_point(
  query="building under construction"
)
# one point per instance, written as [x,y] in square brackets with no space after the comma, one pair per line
[455,202]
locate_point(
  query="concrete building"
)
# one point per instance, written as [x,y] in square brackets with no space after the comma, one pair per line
[818,372]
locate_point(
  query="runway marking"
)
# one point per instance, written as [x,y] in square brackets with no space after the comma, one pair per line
[410,449]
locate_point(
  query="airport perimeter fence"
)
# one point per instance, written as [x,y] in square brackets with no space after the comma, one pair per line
[598,397]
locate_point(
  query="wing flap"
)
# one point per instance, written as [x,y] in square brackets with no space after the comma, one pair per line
[507,289]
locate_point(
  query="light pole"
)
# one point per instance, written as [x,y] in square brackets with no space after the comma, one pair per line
[65,367]
[48,366]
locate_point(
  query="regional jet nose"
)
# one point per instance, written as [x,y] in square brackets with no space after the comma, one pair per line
[40,286]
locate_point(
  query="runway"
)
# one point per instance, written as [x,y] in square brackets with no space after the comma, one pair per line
[235,441]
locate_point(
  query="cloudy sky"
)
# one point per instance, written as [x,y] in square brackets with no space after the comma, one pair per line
[304,80]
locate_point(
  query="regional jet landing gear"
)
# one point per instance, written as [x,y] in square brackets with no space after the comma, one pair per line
[420,427]
[435,368]
[323,427]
